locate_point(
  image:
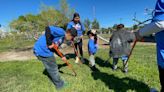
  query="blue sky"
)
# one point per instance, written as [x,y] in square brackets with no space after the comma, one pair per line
[107,12]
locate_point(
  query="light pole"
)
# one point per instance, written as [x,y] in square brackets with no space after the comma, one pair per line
[120,20]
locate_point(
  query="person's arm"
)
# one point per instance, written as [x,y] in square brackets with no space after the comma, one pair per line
[57,51]
[50,43]
[151,28]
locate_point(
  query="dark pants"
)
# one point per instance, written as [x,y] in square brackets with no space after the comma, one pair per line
[125,64]
[161,77]
[80,46]
[123,58]
[52,69]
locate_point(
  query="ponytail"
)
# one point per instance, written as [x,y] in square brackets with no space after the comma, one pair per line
[95,38]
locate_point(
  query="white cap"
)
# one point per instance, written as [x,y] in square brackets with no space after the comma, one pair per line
[93,31]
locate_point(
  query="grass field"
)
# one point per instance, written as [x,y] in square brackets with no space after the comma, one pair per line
[17,76]
[8,44]
[18,43]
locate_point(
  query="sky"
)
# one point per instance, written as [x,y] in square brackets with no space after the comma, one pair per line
[107,12]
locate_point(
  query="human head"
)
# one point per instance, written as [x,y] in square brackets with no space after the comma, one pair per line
[70,34]
[92,33]
[76,17]
[120,26]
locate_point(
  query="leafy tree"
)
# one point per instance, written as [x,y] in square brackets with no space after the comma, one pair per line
[114,26]
[135,27]
[48,15]
[87,24]
[66,10]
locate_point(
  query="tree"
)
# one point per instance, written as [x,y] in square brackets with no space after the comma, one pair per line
[135,27]
[95,24]
[87,24]
[71,12]
[65,9]
[114,26]
[48,15]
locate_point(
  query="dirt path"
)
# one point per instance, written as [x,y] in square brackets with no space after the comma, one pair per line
[15,55]
[27,54]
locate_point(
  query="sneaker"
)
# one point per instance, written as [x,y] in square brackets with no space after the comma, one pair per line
[65,85]
[114,67]
[77,60]
[125,70]
[125,67]
[153,90]
[82,60]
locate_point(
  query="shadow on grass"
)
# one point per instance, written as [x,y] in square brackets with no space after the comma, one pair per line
[70,55]
[86,61]
[47,74]
[61,65]
[120,84]
[103,63]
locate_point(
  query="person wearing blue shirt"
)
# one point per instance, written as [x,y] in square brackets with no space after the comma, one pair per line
[157,26]
[44,48]
[92,48]
[76,24]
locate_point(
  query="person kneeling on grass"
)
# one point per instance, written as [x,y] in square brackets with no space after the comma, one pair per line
[92,48]
[43,50]
[120,46]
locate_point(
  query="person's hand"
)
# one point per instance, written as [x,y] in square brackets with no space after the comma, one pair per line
[51,46]
[81,37]
[96,45]
[64,58]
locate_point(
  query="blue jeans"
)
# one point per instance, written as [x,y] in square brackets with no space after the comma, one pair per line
[52,69]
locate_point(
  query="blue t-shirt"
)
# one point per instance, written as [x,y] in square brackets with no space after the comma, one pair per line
[79,27]
[160,48]
[159,16]
[41,48]
[159,10]
[92,47]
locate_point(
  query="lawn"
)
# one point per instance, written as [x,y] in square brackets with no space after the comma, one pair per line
[27,76]
[15,43]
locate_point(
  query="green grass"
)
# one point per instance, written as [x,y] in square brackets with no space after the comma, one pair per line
[18,42]
[14,43]
[28,76]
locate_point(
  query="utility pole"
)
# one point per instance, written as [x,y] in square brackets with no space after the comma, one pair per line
[94,12]
[120,20]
